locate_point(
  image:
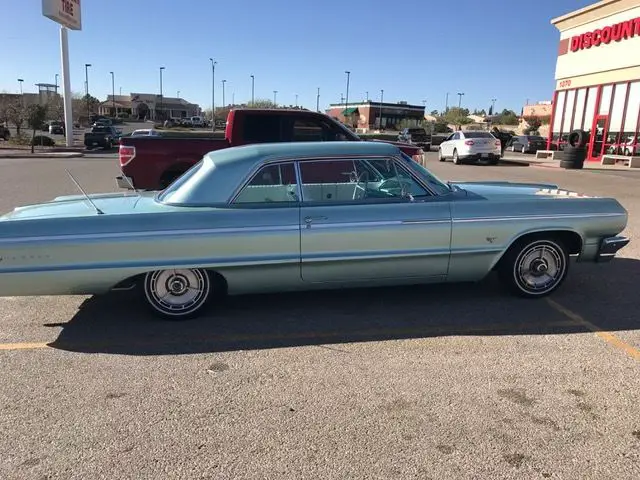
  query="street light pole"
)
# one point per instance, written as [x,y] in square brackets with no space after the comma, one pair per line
[275,92]
[213,93]
[381,100]
[160,111]
[296,99]
[346,103]
[56,83]
[460,99]
[318,100]
[493,106]
[86,79]
[20,80]
[253,80]
[113,94]
[446,103]
[224,102]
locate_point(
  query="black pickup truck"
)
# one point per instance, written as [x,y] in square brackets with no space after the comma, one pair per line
[102,136]
[417,136]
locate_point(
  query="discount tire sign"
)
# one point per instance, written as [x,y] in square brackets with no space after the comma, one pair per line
[64,12]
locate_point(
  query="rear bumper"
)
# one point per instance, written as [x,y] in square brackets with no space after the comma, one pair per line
[480,156]
[121,181]
[609,247]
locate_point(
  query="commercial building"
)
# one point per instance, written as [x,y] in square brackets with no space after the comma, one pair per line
[148,105]
[374,115]
[598,78]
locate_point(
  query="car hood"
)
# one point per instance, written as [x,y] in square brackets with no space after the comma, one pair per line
[513,189]
[78,206]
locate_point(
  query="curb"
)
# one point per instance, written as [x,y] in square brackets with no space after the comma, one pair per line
[41,155]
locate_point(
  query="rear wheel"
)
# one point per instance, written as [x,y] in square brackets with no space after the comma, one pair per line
[534,267]
[440,155]
[524,149]
[177,294]
[456,158]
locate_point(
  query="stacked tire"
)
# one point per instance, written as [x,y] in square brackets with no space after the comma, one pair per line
[575,152]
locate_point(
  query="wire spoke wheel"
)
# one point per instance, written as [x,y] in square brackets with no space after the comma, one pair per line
[177,293]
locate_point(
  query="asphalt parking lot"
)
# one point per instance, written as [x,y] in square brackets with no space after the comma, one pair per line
[456,381]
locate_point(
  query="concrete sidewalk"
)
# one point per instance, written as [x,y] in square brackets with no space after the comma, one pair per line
[532,161]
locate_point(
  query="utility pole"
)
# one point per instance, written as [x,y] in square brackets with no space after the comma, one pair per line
[446,103]
[318,100]
[275,92]
[213,94]
[296,99]
[460,99]
[113,94]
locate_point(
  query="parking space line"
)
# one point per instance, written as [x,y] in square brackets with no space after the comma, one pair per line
[23,346]
[604,335]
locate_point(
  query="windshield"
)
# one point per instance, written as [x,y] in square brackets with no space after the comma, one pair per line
[437,185]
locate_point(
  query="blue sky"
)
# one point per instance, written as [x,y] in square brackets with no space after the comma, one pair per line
[415,50]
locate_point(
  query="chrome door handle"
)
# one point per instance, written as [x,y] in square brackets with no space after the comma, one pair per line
[310,219]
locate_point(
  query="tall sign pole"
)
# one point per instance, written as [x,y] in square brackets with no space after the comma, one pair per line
[68,14]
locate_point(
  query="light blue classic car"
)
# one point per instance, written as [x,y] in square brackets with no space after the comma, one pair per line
[292,216]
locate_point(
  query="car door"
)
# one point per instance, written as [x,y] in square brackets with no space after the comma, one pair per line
[359,224]
[447,146]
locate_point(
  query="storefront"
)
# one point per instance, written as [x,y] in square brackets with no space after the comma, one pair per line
[598,78]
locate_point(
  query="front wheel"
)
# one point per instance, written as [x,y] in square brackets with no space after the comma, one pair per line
[177,294]
[524,150]
[534,268]
[440,155]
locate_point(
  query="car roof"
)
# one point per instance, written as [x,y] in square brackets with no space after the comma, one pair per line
[222,171]
[256,153]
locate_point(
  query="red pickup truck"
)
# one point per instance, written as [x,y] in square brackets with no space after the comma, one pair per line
[153,162]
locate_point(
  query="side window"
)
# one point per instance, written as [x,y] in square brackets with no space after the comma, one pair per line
[262,128]
[456,136]
[307,131]
[272,183]
[357,180]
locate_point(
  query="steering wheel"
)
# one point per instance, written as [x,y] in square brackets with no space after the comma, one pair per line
[395,187]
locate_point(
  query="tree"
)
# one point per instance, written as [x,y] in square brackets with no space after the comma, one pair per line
[36,115]
[55,108]
[262,103]
[457,116]
[15,113]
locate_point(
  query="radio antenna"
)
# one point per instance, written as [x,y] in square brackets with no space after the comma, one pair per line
[98,211]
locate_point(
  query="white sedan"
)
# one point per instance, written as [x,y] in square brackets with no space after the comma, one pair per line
[470,146]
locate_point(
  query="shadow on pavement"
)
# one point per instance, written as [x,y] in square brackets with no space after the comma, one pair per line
[118,323]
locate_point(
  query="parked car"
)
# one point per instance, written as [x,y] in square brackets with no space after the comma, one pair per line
[145,132]
[102,136]
[297,216]
[153,163]
[527,143]
[470,146]
[56,127]
[416,136]
[5,134]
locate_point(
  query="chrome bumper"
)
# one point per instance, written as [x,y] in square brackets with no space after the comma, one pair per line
[122,182]
[609,247]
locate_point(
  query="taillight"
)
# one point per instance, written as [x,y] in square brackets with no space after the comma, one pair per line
[417,157]
[497,143]
[126,154]
[468,142]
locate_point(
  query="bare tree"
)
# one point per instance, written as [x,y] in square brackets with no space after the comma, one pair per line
[36,115]
[15,113]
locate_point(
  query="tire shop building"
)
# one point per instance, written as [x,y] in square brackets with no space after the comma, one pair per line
[598,78]
[370,115]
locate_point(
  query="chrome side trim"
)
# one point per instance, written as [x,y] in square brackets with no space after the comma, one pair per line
[387,223]
[535,217]
[149,233]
